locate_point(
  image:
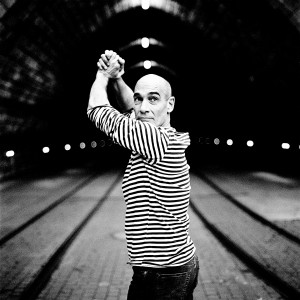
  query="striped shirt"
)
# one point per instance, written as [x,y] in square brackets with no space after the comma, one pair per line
[156,188]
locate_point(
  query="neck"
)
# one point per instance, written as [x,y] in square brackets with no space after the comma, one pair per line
[167,123]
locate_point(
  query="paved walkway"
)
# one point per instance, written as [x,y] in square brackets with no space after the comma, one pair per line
[273,196]
[95,266]
[21,200]
[23,256]
[274,252]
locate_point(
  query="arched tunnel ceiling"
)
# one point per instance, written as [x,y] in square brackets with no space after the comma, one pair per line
[236,64]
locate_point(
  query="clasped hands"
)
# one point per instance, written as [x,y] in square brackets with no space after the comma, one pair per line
[111,64]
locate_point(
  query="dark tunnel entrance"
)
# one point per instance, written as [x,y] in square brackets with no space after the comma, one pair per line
[234,69]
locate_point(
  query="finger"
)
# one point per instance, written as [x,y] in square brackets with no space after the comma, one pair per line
[121,61]
[99,66]
[118,60]
[103,64]
[114,61]
[105,59]
[113,56]
[108,54]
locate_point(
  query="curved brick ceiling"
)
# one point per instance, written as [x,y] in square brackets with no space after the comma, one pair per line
[227,55]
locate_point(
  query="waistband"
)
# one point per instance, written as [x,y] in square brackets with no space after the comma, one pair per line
[168,270]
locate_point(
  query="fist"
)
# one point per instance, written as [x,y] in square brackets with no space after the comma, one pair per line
[111,64]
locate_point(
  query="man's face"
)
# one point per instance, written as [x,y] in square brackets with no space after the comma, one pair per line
[152,100]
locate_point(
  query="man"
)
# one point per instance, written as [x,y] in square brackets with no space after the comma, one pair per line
[156,184]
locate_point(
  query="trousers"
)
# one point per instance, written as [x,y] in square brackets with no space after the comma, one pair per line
[172,283]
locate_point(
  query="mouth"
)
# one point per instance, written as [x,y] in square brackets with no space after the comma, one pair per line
[145,119]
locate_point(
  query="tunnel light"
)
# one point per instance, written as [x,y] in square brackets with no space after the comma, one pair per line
[102,143]
[250,143]
[147,64]
[82,145]
[145,42]
[46,150]
[285,146]
[67,147]
[93,144]
[10,153]
[145,4]
[216,141]
[229,142]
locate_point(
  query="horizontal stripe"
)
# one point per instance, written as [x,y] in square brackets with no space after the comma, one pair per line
[156,188]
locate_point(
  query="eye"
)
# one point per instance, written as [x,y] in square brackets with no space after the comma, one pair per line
[137,99]
[152,98]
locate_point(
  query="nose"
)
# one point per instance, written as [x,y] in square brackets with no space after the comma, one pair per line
[144,108]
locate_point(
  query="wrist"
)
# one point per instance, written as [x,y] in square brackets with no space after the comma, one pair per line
[116,79]
[116,74]
[100,77]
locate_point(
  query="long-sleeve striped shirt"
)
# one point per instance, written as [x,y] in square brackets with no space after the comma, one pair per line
[156,188]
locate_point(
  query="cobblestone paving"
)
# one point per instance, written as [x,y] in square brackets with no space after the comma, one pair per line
[274,197]
[275,253]
[292,226]
[94,267]
[23,256]
[21,201]
[222,275]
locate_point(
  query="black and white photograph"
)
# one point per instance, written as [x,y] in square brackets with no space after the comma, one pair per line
[149,150]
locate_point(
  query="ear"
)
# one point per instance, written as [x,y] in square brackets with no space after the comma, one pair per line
[171,104]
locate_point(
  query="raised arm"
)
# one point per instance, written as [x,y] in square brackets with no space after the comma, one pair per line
[98,93]
[140,137]
[114,69]
[123,92]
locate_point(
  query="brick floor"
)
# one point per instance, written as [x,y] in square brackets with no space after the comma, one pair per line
[270,195]
[22,200]
[95,266]
[23,256]
[276,253]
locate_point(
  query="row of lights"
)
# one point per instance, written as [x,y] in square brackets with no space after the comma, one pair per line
[82,145]
[249,143]
[67,147]
[229,142]
[145,42]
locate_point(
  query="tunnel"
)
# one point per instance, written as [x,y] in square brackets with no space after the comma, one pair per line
[212,200]
[234,68]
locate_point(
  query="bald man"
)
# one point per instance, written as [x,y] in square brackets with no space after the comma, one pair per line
[156,183]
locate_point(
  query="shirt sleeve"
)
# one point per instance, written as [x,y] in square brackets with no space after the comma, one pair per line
[144,138]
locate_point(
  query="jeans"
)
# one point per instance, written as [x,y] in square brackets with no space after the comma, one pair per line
[173,283]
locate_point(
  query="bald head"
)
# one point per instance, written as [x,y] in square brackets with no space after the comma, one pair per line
[153,100]
[153,81]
